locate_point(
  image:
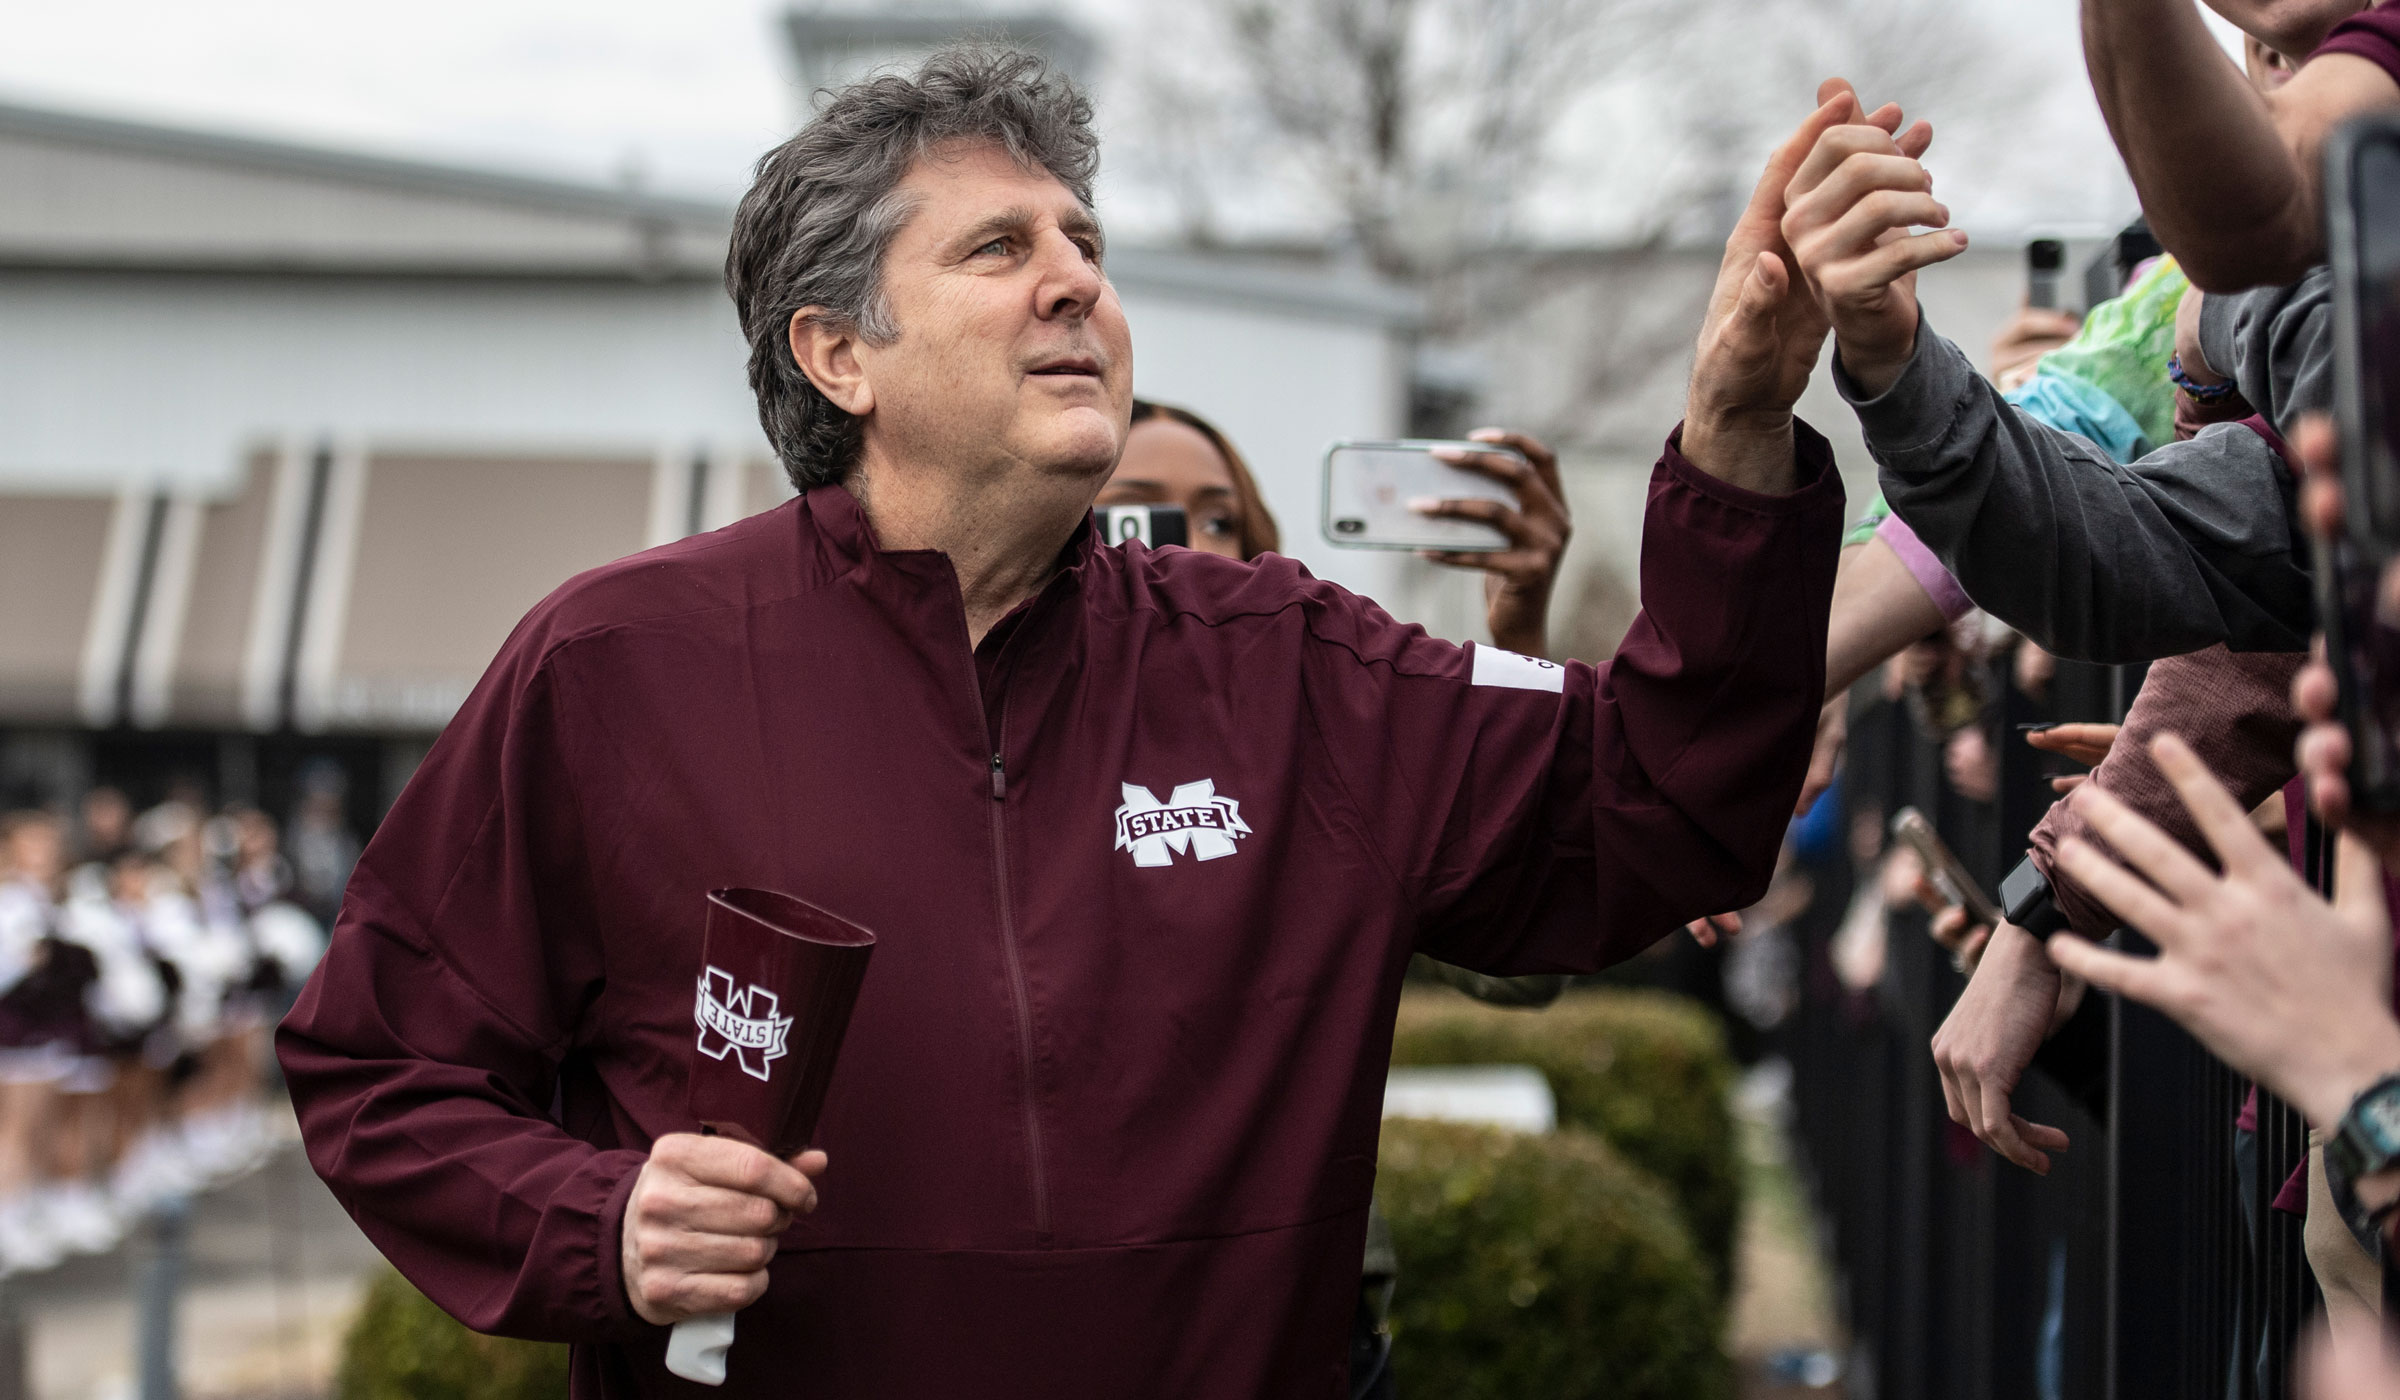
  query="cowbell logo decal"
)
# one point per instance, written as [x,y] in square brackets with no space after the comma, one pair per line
[742,1024]
[1193,821]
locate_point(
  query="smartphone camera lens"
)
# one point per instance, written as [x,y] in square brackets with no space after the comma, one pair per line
[1349,525]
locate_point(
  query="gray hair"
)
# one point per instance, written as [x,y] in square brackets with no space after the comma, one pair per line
[824,205]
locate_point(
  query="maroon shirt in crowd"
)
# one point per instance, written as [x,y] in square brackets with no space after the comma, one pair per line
[1106,1120]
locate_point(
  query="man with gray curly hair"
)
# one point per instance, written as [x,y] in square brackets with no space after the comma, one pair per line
[1146,836]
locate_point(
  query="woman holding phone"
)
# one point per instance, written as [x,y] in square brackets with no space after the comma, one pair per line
[1174,457]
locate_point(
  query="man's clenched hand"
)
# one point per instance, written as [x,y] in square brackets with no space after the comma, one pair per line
[702,1224]
[1848,210]
[1760,340]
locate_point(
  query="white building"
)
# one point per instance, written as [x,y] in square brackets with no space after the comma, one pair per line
[289,438]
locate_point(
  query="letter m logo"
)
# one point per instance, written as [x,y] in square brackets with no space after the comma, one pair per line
[1194,821]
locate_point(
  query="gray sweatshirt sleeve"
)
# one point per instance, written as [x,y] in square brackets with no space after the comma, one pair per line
[2276,344]
[2192,545]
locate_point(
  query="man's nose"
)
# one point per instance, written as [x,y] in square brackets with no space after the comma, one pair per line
[1070,282]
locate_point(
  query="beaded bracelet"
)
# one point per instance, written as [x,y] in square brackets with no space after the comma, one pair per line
[2201,393]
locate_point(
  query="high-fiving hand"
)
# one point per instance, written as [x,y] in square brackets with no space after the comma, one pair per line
[1759,341]
[1848,211]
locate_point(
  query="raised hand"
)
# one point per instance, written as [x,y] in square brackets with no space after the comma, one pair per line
[1848,210]
[1758,342]
[2284,987]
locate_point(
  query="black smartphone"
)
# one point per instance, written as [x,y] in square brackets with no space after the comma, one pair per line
[2045,264]
[2357,603]
[1155,526]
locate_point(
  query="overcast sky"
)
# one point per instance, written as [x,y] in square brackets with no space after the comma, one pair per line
[687,91]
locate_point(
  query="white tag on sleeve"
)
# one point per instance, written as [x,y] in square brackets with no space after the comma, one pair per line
[1512,671]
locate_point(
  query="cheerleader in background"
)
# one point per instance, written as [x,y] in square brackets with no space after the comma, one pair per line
[195,923]
[135,997]
[102,1105]
[43,1025]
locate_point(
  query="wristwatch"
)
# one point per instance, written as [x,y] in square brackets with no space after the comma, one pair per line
[2025,899]
[2368,1140]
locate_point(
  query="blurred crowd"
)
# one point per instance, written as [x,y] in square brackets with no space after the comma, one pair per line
[144,958]
[2156,479]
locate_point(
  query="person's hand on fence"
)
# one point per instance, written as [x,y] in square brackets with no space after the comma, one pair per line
[2286,988]
[2086,744]
[2008,1009]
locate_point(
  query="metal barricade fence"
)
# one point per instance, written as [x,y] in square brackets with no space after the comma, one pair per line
[2151,1261]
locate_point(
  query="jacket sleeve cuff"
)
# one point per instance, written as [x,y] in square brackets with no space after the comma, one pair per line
[2084,914]
[1812,459]
[1920,407]
[611,1178]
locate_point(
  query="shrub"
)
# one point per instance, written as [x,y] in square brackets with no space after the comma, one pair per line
[402,1347]
[1647,1071]
[1542,1265]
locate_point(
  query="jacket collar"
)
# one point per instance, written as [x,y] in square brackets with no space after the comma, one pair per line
[844,539]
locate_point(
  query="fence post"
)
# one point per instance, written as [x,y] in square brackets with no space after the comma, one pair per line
[15,1382]
[158,1291]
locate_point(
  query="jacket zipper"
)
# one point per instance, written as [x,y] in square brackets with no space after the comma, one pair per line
[1016,975]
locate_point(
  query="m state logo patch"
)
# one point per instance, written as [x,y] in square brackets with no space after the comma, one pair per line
[1194,821]
[741,1024]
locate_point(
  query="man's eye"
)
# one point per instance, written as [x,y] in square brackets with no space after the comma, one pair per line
[997,245]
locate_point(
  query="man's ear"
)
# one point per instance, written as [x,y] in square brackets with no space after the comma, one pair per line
[826,349]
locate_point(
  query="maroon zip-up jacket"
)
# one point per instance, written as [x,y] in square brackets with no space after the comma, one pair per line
[1105,1122]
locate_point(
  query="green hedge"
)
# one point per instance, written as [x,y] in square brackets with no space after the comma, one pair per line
[1542,1265]
[1647,1071]
[402,1347]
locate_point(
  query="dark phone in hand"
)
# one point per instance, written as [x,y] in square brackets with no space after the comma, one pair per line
[2045,265]
[1155,526]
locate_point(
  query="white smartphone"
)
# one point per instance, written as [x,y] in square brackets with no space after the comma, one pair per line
[1368,486]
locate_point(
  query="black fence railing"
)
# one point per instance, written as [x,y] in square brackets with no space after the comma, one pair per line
[2149,1262]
